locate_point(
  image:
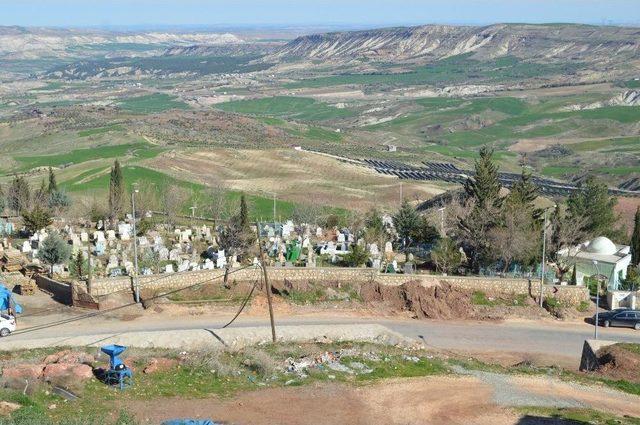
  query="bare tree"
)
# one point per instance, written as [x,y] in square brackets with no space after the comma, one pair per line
[147,198]
[218,204]
[514,240]
[173,200]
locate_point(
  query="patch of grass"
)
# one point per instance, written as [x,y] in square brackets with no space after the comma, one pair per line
[583,306]
[633,348]
[301,108]
[576,416]
[480,298]
[77,156]
[100,130]
[152,103]
[401,367]
[455,69]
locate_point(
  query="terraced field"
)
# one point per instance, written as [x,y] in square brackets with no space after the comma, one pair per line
[297,108]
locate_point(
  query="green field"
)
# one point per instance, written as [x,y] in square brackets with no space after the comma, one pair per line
[455,69]
[100,130]
[96,181]
[299,108]
[152,103]
[141,150]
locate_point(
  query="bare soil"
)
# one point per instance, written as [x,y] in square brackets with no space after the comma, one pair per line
[436,400]
[619,363]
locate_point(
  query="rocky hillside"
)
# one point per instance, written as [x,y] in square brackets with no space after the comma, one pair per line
[544,42]
[33,43]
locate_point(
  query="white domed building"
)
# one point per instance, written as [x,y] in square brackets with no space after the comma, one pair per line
[612,259]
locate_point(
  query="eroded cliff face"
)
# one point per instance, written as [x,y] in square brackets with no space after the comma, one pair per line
[562,41]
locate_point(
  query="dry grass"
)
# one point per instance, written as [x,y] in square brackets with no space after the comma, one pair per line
[293,176]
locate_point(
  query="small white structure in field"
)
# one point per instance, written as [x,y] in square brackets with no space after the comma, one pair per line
[612,259]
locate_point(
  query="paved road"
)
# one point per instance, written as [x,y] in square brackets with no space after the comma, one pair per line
[561,340]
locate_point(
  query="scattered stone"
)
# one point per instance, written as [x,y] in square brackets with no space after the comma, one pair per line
[160,365]
[7,408]
[29,372]
[81,372]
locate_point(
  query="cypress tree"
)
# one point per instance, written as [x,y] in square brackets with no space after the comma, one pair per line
[116,191]
[406,222]
[53,184]
[524,191]
[244,213]
[593,203]
[635,239]
[484,187]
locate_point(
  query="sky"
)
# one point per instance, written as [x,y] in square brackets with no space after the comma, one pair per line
[123,13]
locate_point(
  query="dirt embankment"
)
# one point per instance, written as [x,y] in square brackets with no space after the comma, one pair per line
[436,302]
[620,361]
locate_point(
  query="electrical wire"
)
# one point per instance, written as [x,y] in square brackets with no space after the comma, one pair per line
[103,312]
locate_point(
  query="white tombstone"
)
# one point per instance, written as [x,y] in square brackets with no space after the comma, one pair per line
[58,268]
[169,268]
[221,260]
[143,241]
[183,266]
[163,254]
[157,241]
[98,236]
[306,243]
[84,237]
[318,231]
[208,265]
[26,247]
[174,254]
[373,249]
[341,237]
[388,248]
[125,231]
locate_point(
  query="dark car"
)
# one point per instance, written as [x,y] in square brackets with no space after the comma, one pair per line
[624,318]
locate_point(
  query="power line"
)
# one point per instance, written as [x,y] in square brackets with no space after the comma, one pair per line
[103,312]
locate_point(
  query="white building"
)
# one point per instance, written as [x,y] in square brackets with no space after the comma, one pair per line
[612,259]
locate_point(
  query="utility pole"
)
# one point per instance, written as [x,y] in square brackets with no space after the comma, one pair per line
[442,221]
[135,247]
[274,209]
[89,271]
[401,193]
[263,264]
[544,249]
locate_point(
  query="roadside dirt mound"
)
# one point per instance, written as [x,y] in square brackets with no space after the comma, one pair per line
[441,301]
[618,362]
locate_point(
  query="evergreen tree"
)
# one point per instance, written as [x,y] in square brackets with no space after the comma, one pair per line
[41,195]
[53,185]
[635,239]
[36,219]
[406,222]
[3,201]
[485,186]
[243,218]
[54,250]
[593,204]
[19,194]
[78,265]
[116,191]
[524,192]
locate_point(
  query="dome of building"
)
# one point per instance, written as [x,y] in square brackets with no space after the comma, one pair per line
[602,245]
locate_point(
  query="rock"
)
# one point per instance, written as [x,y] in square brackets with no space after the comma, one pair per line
[7,408]
[160,365]
[81,372]
[70,357]
[23,371]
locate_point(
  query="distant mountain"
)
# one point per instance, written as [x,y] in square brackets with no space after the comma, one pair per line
[543,42]
[33,43]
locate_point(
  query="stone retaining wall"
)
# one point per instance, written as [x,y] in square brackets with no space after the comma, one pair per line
[568,294]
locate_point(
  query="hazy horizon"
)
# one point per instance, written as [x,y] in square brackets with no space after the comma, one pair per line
[212,14]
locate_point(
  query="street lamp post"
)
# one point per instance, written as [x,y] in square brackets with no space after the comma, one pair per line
[595,263]
[442,221]
[135,247]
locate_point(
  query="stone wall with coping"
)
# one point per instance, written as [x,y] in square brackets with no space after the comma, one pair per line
[572,295]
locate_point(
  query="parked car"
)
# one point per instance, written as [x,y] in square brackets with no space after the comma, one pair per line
[7,325]
[621,317]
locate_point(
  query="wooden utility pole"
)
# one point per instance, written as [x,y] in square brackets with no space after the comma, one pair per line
[89,271]
[267,284]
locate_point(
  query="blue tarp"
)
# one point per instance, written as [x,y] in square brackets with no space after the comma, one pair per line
[190,422]
[5,300]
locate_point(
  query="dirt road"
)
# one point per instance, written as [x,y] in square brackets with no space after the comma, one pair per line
[560,341]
